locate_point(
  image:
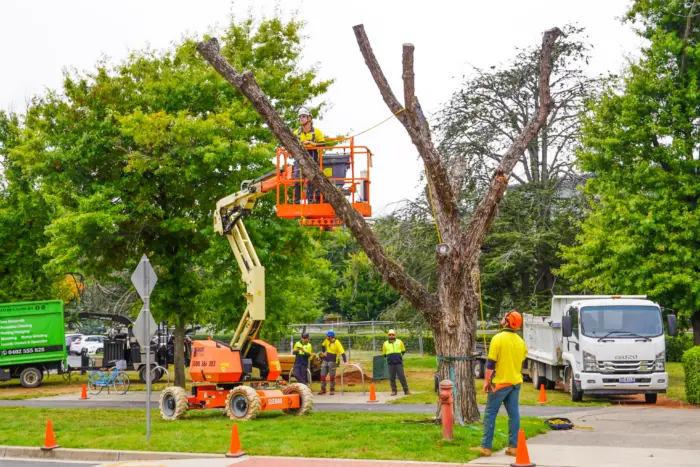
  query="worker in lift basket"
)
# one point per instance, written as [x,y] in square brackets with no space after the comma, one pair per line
[332,351]
[502,382]
[312,138]
[302,350]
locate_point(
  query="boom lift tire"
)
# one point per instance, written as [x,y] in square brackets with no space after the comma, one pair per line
[173,403]
[242,404]
[305,395]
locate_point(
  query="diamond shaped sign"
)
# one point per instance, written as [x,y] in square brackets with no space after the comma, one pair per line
[139,328]
[144,278]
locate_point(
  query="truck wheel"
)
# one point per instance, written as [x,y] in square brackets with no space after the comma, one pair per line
[537,380]
[576,394]
[30,377]
[173,403]
[550,385]
[650,398]
[242,404]
[306,396]
[479,369]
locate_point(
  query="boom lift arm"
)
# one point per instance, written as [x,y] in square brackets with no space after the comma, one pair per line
[228,220]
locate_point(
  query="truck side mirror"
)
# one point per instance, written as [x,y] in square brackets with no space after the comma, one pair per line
[672,325]
[566,326]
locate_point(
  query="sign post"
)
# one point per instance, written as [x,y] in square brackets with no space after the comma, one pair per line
[144,279]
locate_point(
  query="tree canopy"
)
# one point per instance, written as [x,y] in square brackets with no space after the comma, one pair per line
[641,145]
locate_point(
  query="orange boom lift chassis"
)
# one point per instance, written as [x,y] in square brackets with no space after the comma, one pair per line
[242,376]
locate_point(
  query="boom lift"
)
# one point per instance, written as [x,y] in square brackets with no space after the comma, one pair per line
[241,377]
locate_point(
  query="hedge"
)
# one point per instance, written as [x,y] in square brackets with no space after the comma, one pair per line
[675,346]
[691,367]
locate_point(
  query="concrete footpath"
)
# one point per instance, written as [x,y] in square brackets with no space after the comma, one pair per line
[620,436]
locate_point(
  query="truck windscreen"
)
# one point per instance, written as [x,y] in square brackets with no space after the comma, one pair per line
[623,321]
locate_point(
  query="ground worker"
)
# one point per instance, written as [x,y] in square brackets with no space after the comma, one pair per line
[393,351]
[502,382]
[311,138]
[302,350]
[332,351]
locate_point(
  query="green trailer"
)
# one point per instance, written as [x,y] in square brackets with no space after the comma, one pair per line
[32,341]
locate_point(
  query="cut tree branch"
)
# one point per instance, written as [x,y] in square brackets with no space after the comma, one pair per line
[391,271]
[480,221]
[447,212]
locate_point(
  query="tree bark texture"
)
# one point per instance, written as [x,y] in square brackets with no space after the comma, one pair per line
[452,310]
[179,354]
[695,323]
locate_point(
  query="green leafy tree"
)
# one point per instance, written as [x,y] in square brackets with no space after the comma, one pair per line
[23,217]
[641,144]
[135,156]
[363,294]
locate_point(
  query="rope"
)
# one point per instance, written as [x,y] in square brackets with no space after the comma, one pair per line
[451,359]
[481,306]
[335,142]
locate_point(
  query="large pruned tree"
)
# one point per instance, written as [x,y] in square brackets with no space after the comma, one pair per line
[451,310]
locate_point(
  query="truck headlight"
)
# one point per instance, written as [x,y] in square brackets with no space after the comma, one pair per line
[660,362]
[589,363]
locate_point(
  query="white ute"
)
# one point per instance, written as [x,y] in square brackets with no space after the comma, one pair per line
[599,345]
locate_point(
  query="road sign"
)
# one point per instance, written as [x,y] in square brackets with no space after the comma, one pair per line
[140,328]
[144,278]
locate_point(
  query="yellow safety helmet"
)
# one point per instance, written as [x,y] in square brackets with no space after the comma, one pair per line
[391,332]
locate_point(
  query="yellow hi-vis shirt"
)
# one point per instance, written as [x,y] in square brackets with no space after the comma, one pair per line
[335,348]
[313,136]
[508,350]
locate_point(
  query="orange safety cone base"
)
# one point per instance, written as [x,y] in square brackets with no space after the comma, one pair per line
[522,457]
[543,395]
[372,394]
[50,439]
[237,454]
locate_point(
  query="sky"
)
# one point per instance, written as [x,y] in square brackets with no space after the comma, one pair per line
[43,38]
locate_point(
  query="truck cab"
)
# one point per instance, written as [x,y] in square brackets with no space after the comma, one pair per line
[614,346]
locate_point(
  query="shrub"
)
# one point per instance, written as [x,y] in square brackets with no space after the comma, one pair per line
[691,368]
[675,346]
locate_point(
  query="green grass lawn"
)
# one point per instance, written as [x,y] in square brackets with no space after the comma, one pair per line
[354,435]
[676,382]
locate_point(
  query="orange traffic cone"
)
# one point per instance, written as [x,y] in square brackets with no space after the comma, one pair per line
[83,394]
[522,458]
[372,394]
[235,448]
[50,440]
[543,395]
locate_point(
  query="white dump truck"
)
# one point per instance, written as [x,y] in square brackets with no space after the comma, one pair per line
[599,345]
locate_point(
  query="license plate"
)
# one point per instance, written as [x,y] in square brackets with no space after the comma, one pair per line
[628,379]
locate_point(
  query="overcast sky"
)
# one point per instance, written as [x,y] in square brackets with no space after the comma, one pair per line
[41,38]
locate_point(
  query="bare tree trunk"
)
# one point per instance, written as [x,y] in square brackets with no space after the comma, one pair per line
[179,353]
[695,322]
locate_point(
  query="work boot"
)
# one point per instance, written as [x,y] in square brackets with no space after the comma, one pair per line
[483,451]
[332,393]
[408,393]
[321,392]
[393,393]
[511,451]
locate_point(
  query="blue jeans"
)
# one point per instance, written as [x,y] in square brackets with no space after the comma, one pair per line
[509,397]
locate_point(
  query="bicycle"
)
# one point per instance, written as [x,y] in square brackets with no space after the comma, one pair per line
[116,378]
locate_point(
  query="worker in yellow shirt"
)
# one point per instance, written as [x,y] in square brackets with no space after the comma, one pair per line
[502,382]
[312,138]
[393,350]
[332,352]
[303,351]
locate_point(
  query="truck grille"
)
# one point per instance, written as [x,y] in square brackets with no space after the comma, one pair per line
[624,366]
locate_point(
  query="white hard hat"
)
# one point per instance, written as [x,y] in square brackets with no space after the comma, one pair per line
[303,111]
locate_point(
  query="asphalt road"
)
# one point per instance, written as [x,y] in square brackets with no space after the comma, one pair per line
[525,411]
[36,463]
